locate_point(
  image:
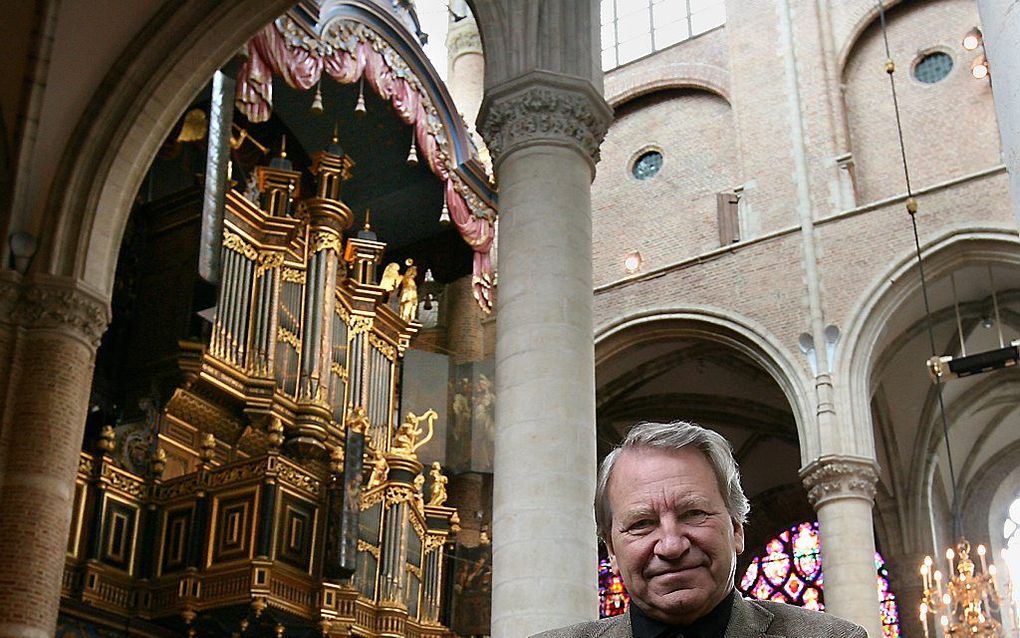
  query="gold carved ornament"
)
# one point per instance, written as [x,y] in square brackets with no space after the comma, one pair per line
[293,275]
[234,242]
[368,547]
[386,349]
[286,336]
[325,241]
[380,469]
[267,261]
[357,420]
[359,324]
[405,441]
[439,482]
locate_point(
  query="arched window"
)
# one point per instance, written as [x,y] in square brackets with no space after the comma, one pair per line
[634,28]
[790,571]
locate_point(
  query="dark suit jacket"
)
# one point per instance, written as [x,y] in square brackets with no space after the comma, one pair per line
[749,619]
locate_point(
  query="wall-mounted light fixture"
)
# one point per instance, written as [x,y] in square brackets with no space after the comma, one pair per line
[972,41]
[632,262]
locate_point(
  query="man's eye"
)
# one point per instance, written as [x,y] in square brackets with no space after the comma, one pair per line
[640,525]
[695,517]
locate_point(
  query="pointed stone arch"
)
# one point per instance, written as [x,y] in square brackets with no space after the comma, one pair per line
[728,329]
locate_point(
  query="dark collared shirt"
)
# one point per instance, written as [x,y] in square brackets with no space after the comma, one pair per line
[711,625]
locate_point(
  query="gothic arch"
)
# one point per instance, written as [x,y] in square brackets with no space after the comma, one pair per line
[726,328]
[679,75]
[862,13]
[857,352]
[128,118]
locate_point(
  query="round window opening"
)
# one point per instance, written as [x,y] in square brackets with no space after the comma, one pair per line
[647,165]
[933,67]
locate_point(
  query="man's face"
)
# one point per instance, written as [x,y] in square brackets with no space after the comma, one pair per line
[671,538]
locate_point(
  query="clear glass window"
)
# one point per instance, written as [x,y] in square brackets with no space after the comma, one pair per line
[634,28]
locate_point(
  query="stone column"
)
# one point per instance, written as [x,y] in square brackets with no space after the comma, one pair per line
[842,491]
[466,66]
[543,130]
[59,327]
[905,582]
[1000,25]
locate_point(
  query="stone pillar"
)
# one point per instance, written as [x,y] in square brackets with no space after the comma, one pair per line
[842,491]
[59,327]
[1000,25]
[465,67]
[543,130]
[905,583]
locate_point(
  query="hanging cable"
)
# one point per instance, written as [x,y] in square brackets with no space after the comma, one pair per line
[911,205]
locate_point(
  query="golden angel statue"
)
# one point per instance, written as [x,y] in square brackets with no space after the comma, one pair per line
[390,277]
[439,482]
[380,469]
[357,420]
[419,498]
[405,441]
[409,294]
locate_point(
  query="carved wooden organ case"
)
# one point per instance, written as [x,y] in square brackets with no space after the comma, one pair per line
[281,483]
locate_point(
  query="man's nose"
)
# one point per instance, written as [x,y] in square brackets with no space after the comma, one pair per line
[673,542]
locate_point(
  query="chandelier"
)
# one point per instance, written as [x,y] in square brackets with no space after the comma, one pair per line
[965,604]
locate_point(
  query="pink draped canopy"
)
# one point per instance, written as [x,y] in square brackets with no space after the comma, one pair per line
[270,53]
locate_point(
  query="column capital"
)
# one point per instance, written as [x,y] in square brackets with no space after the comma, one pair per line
[839,476]
[463,38]
[541,107]
[60,304]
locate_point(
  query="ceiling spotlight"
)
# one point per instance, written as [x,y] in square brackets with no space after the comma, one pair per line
[979,67]
[973,39]
[632,262]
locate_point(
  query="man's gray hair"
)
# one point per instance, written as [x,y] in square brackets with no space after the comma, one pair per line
[674,436]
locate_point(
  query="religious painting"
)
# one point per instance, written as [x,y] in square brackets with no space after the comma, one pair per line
[472,432]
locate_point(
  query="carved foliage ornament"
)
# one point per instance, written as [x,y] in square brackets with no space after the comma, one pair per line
[233,241]
[62,307]
[545,113]
[839,478]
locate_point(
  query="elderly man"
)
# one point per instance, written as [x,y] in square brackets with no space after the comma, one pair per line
[670,509]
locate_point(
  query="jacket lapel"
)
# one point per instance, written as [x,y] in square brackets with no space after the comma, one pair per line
[748,619]
[619,629]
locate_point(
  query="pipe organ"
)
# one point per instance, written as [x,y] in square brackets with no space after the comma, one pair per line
[284,492]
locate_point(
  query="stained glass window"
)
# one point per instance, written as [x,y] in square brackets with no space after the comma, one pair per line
[790,571]
[613,597]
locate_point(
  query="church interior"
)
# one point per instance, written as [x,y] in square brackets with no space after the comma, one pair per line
[316,318]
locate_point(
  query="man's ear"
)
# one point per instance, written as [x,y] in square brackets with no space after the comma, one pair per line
[612,558]
[738,536]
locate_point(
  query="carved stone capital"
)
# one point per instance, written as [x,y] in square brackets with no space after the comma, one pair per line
[540,107]
[463,38]
[54,303]
[837,476]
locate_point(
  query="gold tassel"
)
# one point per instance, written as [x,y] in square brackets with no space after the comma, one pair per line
[317,101]
[412,155]
[359,108]
[444,216]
